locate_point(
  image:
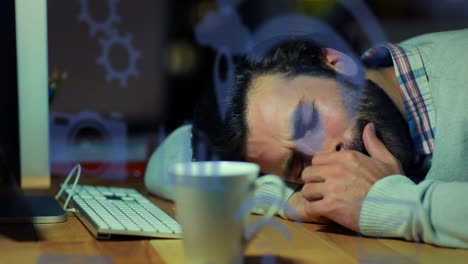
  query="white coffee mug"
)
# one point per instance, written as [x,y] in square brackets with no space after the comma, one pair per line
[213,202]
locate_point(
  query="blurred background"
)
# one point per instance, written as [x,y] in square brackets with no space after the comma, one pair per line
[124,74]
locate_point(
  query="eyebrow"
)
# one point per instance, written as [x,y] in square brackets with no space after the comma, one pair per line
[297,117]
[298,126]
[299,130]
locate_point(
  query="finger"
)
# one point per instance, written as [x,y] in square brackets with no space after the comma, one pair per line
[326,158]
[317,210]
[374,146]
[313,191]
[323,220]
[343,157]
[314,174]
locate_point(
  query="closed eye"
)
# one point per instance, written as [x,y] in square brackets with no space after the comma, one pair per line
[305,118]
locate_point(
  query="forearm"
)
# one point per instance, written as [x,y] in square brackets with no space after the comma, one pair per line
[431,212]
[269,194]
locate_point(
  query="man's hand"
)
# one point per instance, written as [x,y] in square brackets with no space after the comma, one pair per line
[337,183]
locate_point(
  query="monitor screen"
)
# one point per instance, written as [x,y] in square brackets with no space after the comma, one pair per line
[24,110]
[24,137]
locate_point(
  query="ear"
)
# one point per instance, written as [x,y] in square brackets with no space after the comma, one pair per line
[340,62]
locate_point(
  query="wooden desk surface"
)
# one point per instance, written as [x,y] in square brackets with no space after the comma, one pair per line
[70,242]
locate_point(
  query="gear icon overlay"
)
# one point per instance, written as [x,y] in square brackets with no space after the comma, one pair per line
[112,38]
[96,26]
[133,55]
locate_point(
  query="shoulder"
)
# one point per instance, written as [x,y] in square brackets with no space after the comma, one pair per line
[436,38]
[443,56]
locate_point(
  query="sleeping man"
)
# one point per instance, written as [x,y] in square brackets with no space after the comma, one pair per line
[385,156]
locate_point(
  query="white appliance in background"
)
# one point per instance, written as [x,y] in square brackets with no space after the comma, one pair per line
[175,148]
[99,144]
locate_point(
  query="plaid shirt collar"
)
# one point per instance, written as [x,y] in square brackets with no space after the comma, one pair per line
[414,88]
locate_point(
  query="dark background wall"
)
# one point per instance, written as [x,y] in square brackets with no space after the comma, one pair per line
[73,50]
[172,67]
[175,71]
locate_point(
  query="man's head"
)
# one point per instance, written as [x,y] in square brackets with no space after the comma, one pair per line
[296,101]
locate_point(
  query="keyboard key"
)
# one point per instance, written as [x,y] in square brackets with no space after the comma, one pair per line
[114,210]
[162,228]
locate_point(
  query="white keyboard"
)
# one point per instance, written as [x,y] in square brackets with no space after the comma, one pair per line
[108,211]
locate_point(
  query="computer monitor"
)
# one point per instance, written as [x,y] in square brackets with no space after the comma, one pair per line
[24,111]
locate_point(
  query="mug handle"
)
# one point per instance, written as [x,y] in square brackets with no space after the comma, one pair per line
[257,226]
[277,181]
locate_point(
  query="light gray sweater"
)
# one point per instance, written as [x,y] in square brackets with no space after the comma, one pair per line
[435,210]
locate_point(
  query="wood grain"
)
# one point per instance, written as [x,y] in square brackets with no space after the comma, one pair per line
[301,243]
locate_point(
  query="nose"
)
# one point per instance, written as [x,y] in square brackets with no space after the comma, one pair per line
[312,147]
[339,146]
[331,146]
[327,147]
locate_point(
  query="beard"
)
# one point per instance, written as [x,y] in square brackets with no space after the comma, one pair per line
[390,126]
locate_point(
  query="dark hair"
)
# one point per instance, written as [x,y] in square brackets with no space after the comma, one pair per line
[369,103]
[391,128]
[289,59]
